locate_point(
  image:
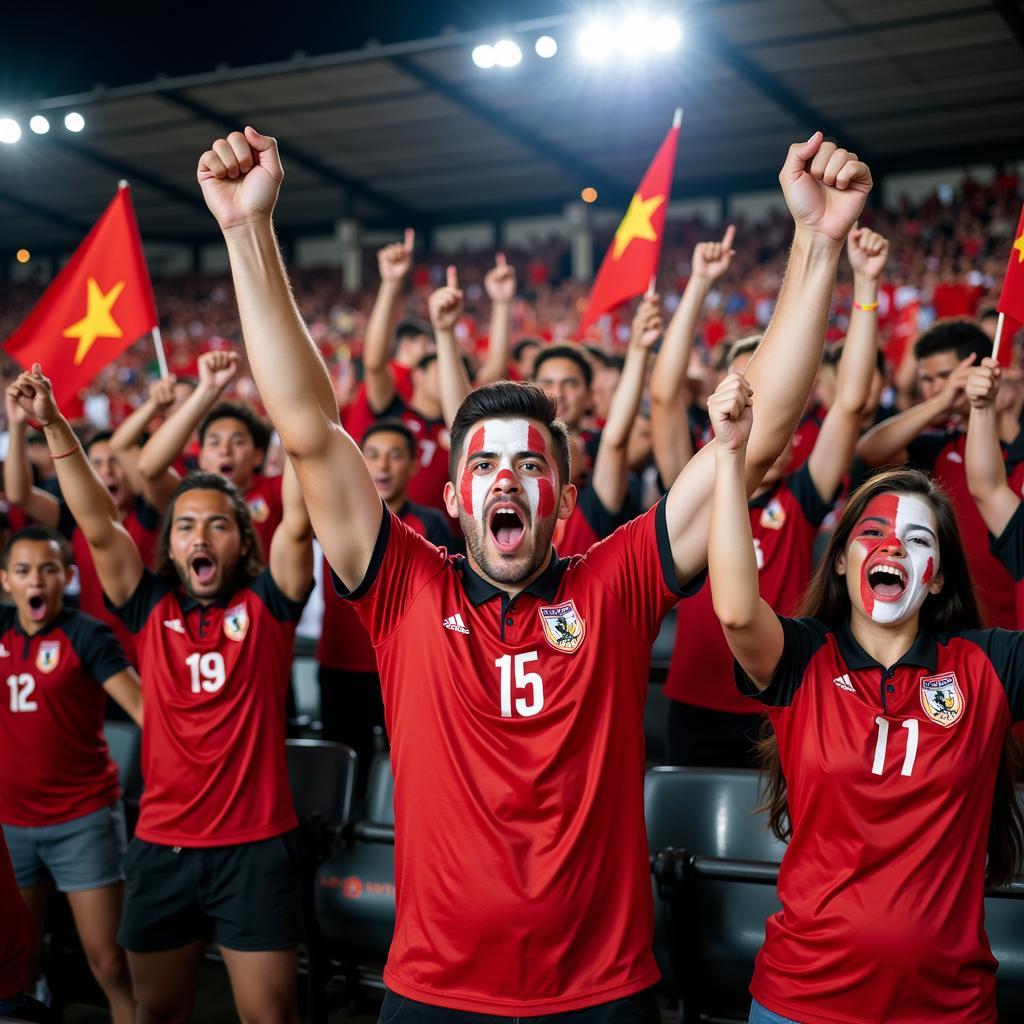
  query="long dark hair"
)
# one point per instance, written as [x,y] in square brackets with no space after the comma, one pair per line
[952,609]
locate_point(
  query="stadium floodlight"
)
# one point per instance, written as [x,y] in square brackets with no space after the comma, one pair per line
[546,47]
[74,122]
[507,53]
[635,36]
[10,130]
[668,34]
[483,56]
[39,124]
[597,40]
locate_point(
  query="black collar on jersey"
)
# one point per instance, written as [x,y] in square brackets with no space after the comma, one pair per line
[545,586]
[61,617]
[924,651]
[190,604]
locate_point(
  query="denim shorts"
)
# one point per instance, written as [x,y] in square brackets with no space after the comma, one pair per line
[84,853]
[762,1015]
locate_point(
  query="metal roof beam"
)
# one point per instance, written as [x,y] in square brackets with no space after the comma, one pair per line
[1013,16]
[44,213]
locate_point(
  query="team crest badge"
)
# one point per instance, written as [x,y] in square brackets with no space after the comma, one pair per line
[48,657]
[773,516]
[236,623]
[941,698]
[564,629]
[259,510]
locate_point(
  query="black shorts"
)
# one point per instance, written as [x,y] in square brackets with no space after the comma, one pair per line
[246,897]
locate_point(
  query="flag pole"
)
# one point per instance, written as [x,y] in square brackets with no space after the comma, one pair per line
[677,118]
[998,337]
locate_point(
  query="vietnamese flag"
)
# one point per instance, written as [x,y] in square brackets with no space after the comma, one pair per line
[100,304]
[632,258]
[1011,298]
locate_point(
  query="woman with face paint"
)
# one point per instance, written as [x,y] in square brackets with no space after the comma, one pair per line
[889,770]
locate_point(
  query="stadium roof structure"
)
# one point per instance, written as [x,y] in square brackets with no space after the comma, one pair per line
[414,133]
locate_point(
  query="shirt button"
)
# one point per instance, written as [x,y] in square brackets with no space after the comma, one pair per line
[509,621]
[891,688]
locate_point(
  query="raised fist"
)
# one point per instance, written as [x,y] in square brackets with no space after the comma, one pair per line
[161,392]
[648,323]
[983,383]
[868,251]
[500,281]
[713,259]
[217,369]
[394,261]
[445,304]
[825,187]
[32,394]
[731,411]
[240,177]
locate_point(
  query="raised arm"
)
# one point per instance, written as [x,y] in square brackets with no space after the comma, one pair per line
[240,178]
[126,441]
[825,189]
[118,563]
[983,457]
[610,478]
[500,285]
[670,425]
[445,309]
[886,444]
[833,450]
[751,628]
[125,689]
[394,262]
[36,503]
[291,549]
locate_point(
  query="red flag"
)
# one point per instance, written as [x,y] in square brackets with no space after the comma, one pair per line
[100,304]
[1011,298]
[632,258]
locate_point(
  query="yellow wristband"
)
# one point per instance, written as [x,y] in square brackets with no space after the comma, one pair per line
[866,307]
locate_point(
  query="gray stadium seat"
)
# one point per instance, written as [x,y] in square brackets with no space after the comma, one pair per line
[124,740]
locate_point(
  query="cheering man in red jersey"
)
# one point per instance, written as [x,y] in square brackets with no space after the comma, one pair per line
[513,681]
[215,851]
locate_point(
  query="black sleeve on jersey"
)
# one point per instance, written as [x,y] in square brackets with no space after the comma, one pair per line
[1005,649]
[924,451]
[65,521]
[282,607]
[801,640]
[599,519]
[814,507]
[1008,547]
[668,563]
[147,515]
[96,646]
[373,569]
[135,612]
[438,532]
[393,410]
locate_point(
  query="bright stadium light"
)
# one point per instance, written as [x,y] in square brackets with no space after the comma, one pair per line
[597,41]
[39,124]
[74,122]
[546,47]
[635,35]
[668,34]
[483,56]
[507,53]
[10,130]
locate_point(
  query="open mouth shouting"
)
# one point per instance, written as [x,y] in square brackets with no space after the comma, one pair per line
[37,607]
[202,568]
[227,469]
[507,525]
[887,580]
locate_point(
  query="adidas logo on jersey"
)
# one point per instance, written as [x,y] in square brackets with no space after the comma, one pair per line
[954,457]
[174,624]
[843,682]
[455,622]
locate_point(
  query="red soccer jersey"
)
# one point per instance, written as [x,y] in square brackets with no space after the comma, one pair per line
[941,453]
[806,434]
[214,681]
[53,756]
[890,776]
[590,522]
[344,644]
[265,508]
[521,863]
[16,935]
[143,526]
[784,522]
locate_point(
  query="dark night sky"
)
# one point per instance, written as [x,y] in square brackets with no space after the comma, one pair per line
[51,49]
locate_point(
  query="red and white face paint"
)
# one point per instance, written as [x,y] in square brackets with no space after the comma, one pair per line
[897,539]
[499,450]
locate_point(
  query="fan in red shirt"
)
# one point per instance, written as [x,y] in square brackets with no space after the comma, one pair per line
[513,680]
[215,852]
[233,442]
[59,795]
[16,941]
[931,436]
[350,702]
[891,710]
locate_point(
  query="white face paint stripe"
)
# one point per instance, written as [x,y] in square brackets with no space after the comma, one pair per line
[506,439]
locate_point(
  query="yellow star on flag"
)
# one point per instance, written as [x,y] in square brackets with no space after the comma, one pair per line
[1019,246]
[637,223]
[97,322]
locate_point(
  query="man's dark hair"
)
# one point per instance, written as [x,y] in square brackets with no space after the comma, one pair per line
[97,438]
[955,334]
[573,353]
[988,313]
[39,533]
[249,560]
[510,400]
[430,357]
[523,344]
[742,346]
[412,328]
[834,353]
[391,426]
[259,429]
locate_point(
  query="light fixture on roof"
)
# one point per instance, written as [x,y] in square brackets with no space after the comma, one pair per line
[23,255]
[483,56]
[668,34]
[39,124]
[74,122]
[507,53]
[546,47]
[597,41]
[10,130]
